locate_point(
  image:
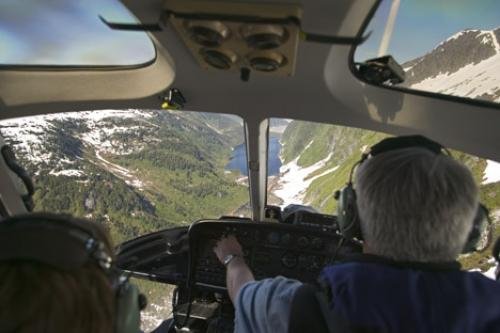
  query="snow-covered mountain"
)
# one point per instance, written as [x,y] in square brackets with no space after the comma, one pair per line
[466,64]
[60,144]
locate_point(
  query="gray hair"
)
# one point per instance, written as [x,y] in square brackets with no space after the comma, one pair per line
[415,205]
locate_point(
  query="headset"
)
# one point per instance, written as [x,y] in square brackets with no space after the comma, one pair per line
[347,212]
[68,243]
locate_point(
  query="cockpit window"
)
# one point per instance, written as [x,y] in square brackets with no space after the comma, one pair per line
[69,33]
[444,47]
[314,160]
[137,171]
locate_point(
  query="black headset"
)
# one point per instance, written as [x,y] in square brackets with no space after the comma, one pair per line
[68,243]
[347,211]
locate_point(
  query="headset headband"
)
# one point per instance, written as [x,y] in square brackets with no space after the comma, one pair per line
[399,142]
[62,242]
[402,142]
[68,243]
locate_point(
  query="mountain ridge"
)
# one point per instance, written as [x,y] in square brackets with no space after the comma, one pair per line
[466,64]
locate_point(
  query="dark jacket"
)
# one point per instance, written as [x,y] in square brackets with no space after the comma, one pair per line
[377,295]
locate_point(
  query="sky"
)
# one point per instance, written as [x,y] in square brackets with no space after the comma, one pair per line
[70,32]
[423,24]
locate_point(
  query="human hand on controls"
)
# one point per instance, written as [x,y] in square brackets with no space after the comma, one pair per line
[226,246]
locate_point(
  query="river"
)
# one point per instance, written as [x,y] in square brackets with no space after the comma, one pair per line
[238,159]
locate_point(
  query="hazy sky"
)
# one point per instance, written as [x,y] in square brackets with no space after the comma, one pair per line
[66,32]
[423,24]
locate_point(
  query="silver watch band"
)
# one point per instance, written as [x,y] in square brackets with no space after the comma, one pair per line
[229,258]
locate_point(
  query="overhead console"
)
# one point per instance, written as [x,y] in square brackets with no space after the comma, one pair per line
[239,36]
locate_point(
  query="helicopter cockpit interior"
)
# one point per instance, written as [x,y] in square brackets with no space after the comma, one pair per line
[176,122]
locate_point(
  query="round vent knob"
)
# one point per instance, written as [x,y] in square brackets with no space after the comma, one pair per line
[207,33]
[264,37]
[266,61]
[220,59]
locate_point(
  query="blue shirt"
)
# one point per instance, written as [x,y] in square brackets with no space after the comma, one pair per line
[264,306]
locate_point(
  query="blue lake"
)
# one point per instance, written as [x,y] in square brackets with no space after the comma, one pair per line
[239,158]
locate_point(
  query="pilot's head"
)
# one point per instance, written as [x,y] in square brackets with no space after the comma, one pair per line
[415,205]
[56,276]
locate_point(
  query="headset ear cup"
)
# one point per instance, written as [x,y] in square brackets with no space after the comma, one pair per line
[128,315]
[480,235]
[347,213]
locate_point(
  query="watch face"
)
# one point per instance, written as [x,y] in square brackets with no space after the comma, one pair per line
[228,258]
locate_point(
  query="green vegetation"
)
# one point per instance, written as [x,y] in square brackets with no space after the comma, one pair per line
[176,162]
[296,137]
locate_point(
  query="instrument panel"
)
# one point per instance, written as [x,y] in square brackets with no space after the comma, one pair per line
[270,249]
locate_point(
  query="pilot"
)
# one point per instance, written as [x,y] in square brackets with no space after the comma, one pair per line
[57,275]
[415,206]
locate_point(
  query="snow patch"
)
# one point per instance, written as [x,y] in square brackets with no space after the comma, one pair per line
[485,40]
[491,173]
[96,131]
[121,172]
[293,181]
[155,314]
[67,173]
[490,273]
[453,37]
[495,42]
[324,173]
[29,134]
[213,128]
[460,83]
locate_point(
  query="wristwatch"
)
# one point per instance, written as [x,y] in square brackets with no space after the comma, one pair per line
[227,259]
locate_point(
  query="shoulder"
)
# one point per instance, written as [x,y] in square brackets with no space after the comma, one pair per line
[264,305]
[278,287]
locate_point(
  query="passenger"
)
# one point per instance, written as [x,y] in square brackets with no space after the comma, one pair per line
[416,208]
[57,275]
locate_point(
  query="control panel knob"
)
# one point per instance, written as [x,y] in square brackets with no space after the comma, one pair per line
[303,242]
[289,260]
[315,263]
[317,243]
[273,238]
[286,239]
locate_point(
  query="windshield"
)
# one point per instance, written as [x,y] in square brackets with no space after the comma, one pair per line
[69,33]
[445,47]
[136,171]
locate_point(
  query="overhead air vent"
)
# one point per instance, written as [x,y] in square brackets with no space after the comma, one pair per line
[220,59]
[207,33]
[232,36]
[264,36]
[266,61]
